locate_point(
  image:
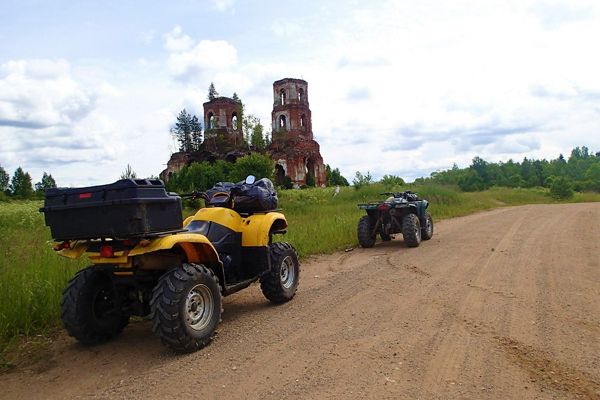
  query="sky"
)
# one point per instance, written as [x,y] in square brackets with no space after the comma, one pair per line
[395,87]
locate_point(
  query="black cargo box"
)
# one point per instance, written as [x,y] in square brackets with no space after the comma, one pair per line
[124,209]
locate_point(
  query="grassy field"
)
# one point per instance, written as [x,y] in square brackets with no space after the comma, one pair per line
[32,276]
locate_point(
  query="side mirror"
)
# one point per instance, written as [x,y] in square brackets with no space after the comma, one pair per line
[250,179]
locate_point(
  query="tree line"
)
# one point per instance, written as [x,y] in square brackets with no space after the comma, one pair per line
[20,186]
[579,172]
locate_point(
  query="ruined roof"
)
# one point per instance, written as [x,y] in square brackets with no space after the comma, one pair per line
[290,80]
[222,100]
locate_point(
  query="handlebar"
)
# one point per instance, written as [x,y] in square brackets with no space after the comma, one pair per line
[194,195]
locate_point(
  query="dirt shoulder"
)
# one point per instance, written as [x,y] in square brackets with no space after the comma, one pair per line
[501,304]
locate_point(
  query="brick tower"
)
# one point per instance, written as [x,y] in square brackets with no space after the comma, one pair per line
[293,147]
[222,118]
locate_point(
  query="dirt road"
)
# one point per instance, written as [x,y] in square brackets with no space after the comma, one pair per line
[500,305]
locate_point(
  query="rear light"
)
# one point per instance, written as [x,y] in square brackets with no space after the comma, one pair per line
[106,252]
[85,195]
[383,207]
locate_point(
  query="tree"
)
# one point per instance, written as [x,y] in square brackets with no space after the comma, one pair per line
[392,180]
[261,166]
[236,98]
[471,182]
[561,188]
[20,184]
[212,92]
[47,182]
[253,132]
[4,180]
[361,180]
[188,132]
[196,133]
[129,173]
[334,177]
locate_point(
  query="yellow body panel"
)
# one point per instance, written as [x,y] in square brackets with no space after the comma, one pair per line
[255,228]
[196,247]
[76,250]
[255,231]
[221,215]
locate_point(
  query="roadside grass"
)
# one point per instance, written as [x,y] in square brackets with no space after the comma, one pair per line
[32,277]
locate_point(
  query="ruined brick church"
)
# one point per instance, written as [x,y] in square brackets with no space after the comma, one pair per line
[293,149]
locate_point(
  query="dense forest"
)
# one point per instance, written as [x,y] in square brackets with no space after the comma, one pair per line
[580,172]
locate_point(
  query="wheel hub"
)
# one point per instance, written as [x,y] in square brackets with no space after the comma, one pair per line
[287,273]
[199,307]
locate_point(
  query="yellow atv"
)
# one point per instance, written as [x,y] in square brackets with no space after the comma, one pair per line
[146,261]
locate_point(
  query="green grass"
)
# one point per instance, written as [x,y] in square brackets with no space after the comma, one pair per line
[32,276]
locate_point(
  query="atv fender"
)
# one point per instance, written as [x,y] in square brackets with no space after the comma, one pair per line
[197,248]
[257,228]
[75,251]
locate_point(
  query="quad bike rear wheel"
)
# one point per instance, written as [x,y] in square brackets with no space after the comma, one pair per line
[186,307]
[427,230]
[366,238]
[90,308]
[281,282]
[411,230]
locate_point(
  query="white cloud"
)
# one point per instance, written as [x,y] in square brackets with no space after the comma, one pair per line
[224,5]
[48,117]
[188,59]
[177,41]
[41,93]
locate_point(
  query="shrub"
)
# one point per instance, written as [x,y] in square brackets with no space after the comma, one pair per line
[259,165]
[361,180]
[561,188]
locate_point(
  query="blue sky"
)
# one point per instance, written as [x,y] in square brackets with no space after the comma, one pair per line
[395,87]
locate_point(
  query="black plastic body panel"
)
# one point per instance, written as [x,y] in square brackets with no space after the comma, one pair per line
[240,263]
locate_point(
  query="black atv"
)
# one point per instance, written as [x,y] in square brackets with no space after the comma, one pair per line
[402,212]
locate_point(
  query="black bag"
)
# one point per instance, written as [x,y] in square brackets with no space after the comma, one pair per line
[261,196]
[219,187]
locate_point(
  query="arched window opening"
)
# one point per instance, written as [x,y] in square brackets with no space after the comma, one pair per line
[302,121]
[282,97]
[282,122]
[211,121]
[279,175]
[234,121]
[300,94]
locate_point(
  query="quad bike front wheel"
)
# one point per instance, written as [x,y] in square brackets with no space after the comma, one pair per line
[280,283]
[427,230]
[90,308]
[366,238]
[411,230]
[186,307]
